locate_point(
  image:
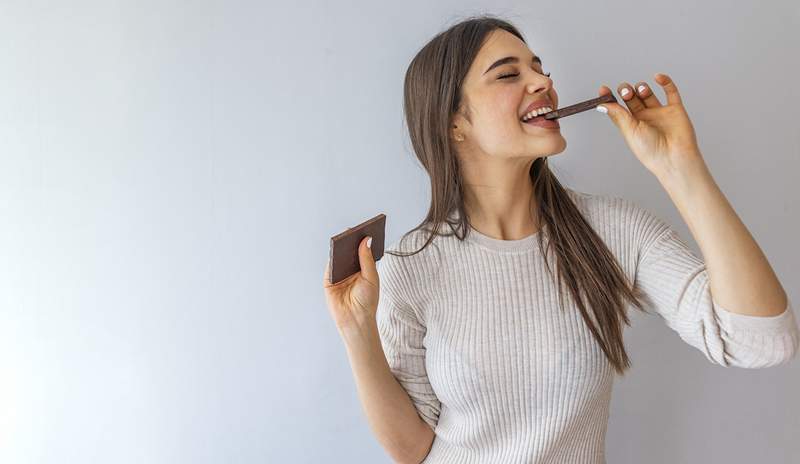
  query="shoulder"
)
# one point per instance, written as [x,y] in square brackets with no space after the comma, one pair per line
[594,202]
[624,224]
[614,212]
[411,278]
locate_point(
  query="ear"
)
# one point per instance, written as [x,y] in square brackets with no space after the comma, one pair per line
[458,124]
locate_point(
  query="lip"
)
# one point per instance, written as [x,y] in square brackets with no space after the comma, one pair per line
[543,123]
[537,104]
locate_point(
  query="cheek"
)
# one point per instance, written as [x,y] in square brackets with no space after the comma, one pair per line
[503,107]
[497,118]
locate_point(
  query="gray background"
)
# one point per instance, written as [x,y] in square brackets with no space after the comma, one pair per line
[171,172]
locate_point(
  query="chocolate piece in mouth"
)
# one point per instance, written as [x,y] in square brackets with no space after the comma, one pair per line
[580,107]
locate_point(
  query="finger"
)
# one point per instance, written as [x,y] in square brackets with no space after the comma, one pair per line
[628,95]
[647,96]
[670,89]
[620,116]
[326,278]
[369,270]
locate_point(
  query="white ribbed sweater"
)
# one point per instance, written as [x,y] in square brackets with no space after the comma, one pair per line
[473,332]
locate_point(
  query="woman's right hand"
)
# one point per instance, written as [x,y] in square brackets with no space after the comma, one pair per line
[353,302]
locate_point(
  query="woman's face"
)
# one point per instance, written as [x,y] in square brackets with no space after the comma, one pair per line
[497,99]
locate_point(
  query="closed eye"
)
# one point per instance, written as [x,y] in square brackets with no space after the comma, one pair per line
[505,76]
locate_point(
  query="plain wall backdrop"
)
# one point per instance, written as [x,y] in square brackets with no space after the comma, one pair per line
[171,174]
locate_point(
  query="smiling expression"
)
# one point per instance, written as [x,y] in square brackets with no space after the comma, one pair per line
[503,80]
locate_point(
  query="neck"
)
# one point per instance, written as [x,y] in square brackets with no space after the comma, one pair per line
[499,199]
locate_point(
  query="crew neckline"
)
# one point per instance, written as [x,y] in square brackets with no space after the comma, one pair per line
[514,246]
[523,244]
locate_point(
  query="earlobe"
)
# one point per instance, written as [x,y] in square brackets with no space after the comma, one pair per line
[457,136]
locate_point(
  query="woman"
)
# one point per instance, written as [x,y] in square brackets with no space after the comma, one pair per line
[472,341]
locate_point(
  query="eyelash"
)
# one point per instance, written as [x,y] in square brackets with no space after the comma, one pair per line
[504,76]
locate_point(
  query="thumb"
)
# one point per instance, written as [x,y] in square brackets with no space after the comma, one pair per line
[620,116]
[368,269]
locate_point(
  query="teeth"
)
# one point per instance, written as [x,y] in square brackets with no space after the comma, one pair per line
[537,112]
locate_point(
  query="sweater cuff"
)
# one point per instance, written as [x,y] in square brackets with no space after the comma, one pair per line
[784,322]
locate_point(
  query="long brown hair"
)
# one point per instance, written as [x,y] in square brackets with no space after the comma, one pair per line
[432,94]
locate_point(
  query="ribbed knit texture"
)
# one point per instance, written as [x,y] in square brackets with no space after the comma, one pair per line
[473,332]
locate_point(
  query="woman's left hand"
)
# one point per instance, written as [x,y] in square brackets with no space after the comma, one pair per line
[661,136]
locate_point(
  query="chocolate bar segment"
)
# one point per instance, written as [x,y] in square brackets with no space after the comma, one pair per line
[344,247]
[579,107]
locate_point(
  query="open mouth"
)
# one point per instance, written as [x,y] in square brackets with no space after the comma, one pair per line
[536,114]
[541,121]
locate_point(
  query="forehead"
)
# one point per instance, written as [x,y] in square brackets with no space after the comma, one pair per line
[498,44]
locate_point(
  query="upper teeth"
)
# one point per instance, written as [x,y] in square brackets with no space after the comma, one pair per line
[537,112]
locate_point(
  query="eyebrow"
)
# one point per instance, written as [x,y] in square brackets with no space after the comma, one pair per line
[511,59]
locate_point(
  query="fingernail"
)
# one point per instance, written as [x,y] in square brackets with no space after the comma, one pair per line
[624,91]
[602,109]
[642,88]
[369,242]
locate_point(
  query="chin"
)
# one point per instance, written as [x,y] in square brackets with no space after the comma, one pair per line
[554,146]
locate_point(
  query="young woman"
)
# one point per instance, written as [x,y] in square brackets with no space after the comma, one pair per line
[471,339]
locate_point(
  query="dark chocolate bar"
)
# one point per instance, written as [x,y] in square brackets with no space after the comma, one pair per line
[579,107]
[344,247]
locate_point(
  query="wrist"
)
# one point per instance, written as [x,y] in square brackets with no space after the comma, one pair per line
[360,334]
[682,175]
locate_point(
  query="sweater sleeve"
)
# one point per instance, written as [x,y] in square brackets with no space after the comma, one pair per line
[675,283]
[401,334]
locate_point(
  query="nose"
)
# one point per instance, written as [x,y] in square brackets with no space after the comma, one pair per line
[542,82]
[541,85]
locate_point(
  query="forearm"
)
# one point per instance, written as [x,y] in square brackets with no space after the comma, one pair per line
[741,278]
[389,410]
